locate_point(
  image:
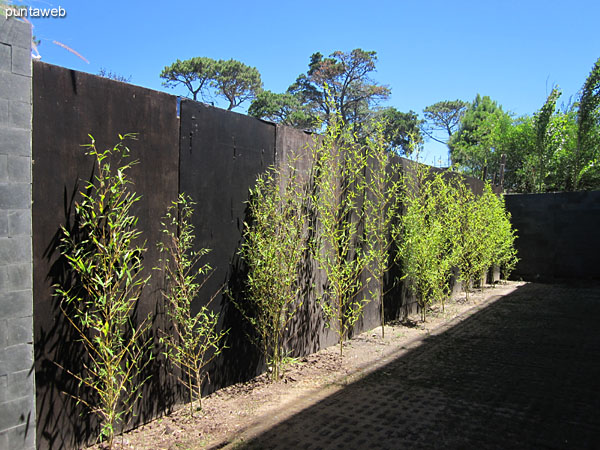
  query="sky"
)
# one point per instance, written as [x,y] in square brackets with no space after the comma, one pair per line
[428,51]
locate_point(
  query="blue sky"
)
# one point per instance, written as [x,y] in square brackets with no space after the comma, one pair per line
[513,51]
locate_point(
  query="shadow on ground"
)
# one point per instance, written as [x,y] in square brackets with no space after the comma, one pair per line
[522,373]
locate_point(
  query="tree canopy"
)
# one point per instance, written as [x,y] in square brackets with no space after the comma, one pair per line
[285,109]
[475,145]
[444,116]
[555,149]
[587,161]
[344,80]
[195,74]
[236,82]
[206,78]
[341,82]
[402,131]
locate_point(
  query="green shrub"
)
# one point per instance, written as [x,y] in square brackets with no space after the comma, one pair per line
[425,235]
[338,174]
[381,204]
[274,249]
[195,339]
[105,257]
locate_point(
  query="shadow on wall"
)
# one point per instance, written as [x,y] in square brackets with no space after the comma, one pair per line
[242,359]
[63,416]
[58,351]
[306,332]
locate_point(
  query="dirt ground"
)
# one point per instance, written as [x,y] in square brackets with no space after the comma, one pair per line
[233,414]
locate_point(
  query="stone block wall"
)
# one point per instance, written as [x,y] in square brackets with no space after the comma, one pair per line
[17,399]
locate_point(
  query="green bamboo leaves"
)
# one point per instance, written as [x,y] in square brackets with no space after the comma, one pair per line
[105,257]
[425,235]
[445,226]
[274,248]
[339,165]
[381,209]
[195,339]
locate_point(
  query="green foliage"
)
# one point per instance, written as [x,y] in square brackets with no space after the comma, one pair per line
[561,153]
[195,74]
[284,109]
[475,146]
[426,233]
[470,249]
[349,92]
[498,233]
[195,339]
[338,175]
[587,167]
[542,124]
[236,82]
[540,149]
[483,235]
[444,116]
[554,150]
[232,80]
[274,249]
[445,226]
[380,209]
[402,131]
[106,264]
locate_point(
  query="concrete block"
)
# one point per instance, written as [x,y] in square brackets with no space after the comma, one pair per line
[21,61]
[17,358]
[19,168]
[3,277]
[3,434]
[3,223]
[14,32]
[15,141]
[20,384]
[15,250]
[23,436]
[19,277]
[16,413]
[15,87]
[19,115]
[5,58]
[19,331]
[3,168]
[15,196]
[16,304]
[3,390]
[3,334]
[19,222]
[3,113]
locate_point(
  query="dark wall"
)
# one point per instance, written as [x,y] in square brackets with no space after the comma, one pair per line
[68,106]
[211,154]
[558,235]
[221,155]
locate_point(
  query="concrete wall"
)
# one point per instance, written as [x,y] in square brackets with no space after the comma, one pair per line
[558,235]
[17,399]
